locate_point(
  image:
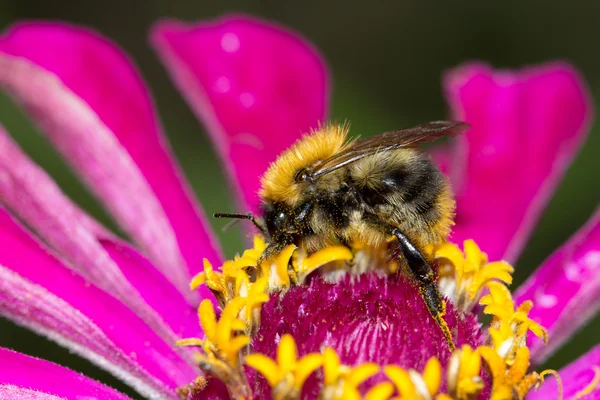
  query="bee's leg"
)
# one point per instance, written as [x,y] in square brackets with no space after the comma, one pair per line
[427,285]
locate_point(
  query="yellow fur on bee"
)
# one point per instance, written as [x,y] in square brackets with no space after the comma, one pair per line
[447,208]
[278,182]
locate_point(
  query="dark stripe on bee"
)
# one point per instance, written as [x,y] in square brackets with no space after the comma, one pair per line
[423,194]
[393,182]
[417,188]
[395,179]
[420,182]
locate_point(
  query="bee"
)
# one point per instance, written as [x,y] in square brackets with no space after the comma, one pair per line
[327,188]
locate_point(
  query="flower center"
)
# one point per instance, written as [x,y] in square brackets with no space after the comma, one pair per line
[343,323]
[373,317]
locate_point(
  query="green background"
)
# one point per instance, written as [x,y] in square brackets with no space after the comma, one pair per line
[386,59]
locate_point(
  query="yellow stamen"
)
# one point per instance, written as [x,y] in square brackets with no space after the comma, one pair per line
[432,374]
[341,381]
[509,378]
[509,326]
[222,345]
[463,377]
[254,297]
[190,342]
[281,263]
[331,366]
[286,375]
[558,381]
[287,354]
[215,281]
[360,373]
[266,367]
[322,257]
[208,319]
[401,380]
[382,391]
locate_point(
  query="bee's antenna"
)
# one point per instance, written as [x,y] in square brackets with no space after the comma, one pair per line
[240,216]
[233,215]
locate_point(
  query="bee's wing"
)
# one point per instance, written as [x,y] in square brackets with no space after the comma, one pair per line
[385,142]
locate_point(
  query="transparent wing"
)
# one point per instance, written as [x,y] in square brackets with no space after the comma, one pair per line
[384,142]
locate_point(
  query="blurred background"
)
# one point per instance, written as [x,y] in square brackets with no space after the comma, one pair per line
[386,59]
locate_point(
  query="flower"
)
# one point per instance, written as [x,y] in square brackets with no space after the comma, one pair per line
[298,323]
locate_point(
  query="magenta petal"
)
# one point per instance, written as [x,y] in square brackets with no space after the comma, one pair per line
[566,288]
[35,198]
[526,128]
[95,108]
[256,86]
[9,392]
[575,377]
[27,378]
[158,292]
[38,292]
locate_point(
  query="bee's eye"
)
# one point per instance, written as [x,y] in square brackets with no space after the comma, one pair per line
[280,219]
[281,216]
[301,175]
[275,219]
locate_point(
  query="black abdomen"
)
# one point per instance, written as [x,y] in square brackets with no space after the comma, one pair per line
[402,188]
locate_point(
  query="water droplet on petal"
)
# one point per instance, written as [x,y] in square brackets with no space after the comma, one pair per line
[222,85]
[247,99]
[545,300]
[230,42]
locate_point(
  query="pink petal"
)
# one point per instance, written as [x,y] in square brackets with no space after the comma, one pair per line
[94,107]
[27,378]
[159,293]
[9,392]
[526,128]
[256,86]
[575,377]
[38,292]
[565,289]
[35,198]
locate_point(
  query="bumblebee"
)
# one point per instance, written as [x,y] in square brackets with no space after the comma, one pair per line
[327,188]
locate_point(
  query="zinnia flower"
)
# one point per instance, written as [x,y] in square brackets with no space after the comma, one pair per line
[300,324]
